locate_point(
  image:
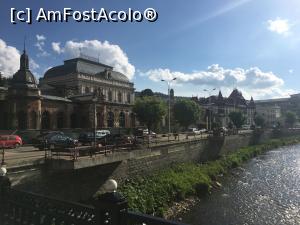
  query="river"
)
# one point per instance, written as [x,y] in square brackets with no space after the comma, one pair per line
[265,191]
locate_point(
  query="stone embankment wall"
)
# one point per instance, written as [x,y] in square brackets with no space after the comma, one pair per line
[80,185]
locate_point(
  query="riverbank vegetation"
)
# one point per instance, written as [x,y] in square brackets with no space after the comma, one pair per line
[153,194]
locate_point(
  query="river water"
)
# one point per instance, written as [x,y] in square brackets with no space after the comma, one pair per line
[265,191]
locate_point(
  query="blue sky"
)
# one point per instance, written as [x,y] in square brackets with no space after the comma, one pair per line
[249,44]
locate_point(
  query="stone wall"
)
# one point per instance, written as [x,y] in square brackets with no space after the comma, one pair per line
[80,185]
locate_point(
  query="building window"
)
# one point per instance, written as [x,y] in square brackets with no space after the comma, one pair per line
[60,120]
[122,119]
[46,120]
[87,90]
[119,97]
[132,120]
[110,119]
[22,120]
[128,97]
[33,120]
[110,96]
[74,123]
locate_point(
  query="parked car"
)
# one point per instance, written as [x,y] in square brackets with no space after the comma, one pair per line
[38,142]
[116,139]
[246,127]
[202,131]
[52,141]
[102,132]
[10,141]
[151,133]
[88,137]
[194,131]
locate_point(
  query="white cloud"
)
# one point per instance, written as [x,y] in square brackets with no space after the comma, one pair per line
[107,53]
[253,81]
[40,44]
[56,47]
[33,65]
[40,37]
[9,59]
[279,26]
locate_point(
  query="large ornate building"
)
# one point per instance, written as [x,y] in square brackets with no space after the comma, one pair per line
[81,93]
[217,108]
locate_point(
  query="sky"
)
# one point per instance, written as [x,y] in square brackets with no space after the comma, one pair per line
[252,45]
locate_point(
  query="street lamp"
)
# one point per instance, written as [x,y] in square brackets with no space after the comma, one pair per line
[169,106]
[209,104]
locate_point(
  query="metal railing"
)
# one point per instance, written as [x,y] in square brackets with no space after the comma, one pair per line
[20,207]
[137,142]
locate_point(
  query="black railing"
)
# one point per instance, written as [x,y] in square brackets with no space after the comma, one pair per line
[19,207]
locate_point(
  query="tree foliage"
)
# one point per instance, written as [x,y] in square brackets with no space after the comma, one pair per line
[259,120]
[149,110]
[237,119]
[146,92]
[290,118]
[186,112]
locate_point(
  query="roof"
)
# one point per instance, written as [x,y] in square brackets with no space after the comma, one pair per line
[112,75]
[235,98]
[85,66]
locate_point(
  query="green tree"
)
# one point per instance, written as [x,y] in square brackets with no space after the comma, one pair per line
[290,118]
[146,92]
[259,120]
[237,119]
[186,112]
[149,110]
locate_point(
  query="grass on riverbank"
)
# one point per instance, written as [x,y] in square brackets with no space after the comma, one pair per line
[153,194]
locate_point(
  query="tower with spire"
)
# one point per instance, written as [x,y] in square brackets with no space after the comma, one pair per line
[24,97]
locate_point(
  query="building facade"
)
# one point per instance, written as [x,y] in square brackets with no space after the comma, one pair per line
[217,108]
[81,93]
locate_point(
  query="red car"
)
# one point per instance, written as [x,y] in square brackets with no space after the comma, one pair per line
[10,141]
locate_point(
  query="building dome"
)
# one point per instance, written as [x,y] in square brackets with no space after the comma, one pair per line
[24,76]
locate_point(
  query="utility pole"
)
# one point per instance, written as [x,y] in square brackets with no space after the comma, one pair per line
[209,104]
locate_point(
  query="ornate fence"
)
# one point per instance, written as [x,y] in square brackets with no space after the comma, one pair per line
[19,207]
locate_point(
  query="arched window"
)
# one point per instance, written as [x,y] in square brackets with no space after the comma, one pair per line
[22,120]
[119,97]
[110,119]
[122,119]
[60,120]
[33,118]
[110,96]
[46,120]
[87,90]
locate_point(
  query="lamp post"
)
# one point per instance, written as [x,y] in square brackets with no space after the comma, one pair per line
[209,104]
[95,99]
[169,105]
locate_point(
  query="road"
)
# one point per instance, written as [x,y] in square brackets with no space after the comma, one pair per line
[28,155]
